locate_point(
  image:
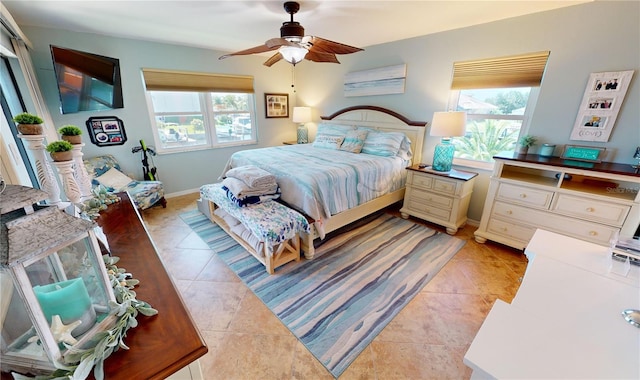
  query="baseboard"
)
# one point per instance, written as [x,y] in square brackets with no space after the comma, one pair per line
[472,222]
[181,193]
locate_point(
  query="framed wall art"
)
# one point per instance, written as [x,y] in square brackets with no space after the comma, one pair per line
[381,81]
[106,130]
[276,105]
[600,105]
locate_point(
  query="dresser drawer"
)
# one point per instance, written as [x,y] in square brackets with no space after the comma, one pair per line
[511,230]
[525,195]
[420,180]
[444,186]
[590,209]
[427,197]
[423,208]
[521,216]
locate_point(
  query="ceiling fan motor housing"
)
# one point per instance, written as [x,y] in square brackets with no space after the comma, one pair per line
[292,31]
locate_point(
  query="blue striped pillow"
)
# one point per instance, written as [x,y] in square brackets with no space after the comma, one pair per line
[383,143]
[334,129]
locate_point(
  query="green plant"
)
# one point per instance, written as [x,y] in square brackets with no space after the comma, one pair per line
[527,140]
[485,139]
[27,118]
[59,146]
[70,130]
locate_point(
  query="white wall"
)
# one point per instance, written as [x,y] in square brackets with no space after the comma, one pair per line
[592,37]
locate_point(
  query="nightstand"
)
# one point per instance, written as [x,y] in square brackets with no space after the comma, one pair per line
[438,197]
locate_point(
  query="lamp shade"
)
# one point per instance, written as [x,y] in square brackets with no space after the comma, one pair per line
[301,114]
[448,124]
[293,54]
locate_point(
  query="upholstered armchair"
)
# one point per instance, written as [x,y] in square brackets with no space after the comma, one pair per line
[105,170]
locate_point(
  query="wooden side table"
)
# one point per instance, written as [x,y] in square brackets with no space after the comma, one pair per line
[438,197]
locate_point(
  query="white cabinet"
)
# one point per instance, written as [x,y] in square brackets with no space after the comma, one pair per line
[566,320]
[439,197]
[588,201]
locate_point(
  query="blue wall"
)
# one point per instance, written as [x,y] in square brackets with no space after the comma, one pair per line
[592,37]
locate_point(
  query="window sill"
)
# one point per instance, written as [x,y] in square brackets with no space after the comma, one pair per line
[473,164]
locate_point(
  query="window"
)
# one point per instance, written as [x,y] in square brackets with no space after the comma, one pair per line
[189,114]
[499,95]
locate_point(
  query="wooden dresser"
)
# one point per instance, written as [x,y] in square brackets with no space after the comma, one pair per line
[589,201]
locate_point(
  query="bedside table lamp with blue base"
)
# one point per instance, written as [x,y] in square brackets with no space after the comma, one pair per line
[302,115]
[446,125]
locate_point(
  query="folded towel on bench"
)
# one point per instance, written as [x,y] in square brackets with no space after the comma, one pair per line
[250,200]
[252,176]
[242,190]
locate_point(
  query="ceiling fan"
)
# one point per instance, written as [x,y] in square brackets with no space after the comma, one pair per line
[293,46]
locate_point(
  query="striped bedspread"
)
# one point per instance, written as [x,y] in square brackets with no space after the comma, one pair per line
[324,182]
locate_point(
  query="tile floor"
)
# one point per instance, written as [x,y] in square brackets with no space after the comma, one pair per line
[427,340]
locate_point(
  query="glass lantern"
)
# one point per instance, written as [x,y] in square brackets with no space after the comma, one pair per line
[55,290]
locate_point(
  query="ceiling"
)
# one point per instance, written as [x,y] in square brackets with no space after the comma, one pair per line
[236,25]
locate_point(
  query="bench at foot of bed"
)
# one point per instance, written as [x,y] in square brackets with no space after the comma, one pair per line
[270,231]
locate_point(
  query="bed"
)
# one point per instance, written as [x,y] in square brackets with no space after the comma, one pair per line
[334,187]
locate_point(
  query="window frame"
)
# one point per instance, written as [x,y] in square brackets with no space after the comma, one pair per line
[205,101]
[454,97]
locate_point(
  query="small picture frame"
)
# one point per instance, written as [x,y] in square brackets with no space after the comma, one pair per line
[106,131]
[582,153]
[276,105]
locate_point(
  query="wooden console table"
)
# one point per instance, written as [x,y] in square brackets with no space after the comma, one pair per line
[163,344]
[167,342]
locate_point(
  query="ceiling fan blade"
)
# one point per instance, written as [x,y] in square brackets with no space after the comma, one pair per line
[253,50]
[320,56]
[278,42]
[273,59]
[320,44]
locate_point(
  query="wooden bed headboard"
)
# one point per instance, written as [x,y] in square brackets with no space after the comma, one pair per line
[382,119]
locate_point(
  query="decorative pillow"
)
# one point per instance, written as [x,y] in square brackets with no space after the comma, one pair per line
[354,140]
[114,179]
[405,149]
[383,143]
[327,141]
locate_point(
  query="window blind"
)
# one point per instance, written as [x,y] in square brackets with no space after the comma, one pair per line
[168,80]
[511,71]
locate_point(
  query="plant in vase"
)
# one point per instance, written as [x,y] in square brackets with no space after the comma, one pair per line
[60,150]
[28,124]
[71,133]
[525,142]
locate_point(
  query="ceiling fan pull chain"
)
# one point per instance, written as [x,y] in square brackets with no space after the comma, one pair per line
[293,77]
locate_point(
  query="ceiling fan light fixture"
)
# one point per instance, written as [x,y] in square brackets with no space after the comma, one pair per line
[293,54]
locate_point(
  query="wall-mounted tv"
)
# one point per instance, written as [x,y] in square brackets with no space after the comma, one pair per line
[86,82]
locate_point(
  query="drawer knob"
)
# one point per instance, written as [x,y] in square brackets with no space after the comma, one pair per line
[504,229]
[593,233]
[509,212]
[523,195]
[590,209]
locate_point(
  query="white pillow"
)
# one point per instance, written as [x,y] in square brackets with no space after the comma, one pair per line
[115,179]
[327,142]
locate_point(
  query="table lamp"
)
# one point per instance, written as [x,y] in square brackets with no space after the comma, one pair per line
[302,115]
[446,125]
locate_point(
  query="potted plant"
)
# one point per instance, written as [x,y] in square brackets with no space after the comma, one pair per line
[28,124]
[60,150]
[71,133]
[525,142]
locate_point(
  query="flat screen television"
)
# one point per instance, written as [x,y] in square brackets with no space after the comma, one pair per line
[86,82]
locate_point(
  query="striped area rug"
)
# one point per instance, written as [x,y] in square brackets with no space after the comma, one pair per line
[359,280]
